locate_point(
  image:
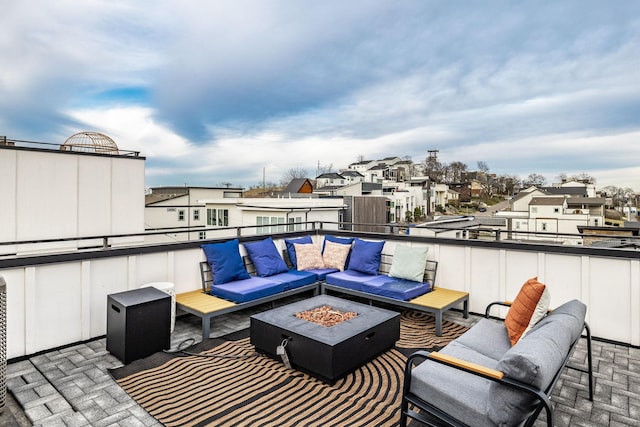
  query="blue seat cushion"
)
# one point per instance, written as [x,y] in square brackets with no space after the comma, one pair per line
[294,279]
[392,287]
[247,290]
[321,273]
[350,279]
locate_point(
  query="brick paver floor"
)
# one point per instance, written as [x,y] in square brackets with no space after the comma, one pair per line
[71,387]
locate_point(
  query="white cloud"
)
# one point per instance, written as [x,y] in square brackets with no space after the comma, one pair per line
[134,129]
[229,88]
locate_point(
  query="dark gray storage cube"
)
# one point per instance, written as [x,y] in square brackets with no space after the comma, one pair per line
[138,323]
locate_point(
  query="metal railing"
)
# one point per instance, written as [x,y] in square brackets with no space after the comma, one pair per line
[18,143]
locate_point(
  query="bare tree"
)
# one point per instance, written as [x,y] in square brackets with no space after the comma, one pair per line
[535,179]
[454,171]
[620,197]
[582,177]
[433,168]
[324,169]
[508,184]
[293,173]
[483,167]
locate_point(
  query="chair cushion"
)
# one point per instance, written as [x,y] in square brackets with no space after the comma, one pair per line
[321,273]
[294,279]
[571,315]
[265,257]
[409,262]
[246,290]
[291,251]
[308,256]
[350,279]
[391,287]
[533,360]
[365,256]
[335,255]
[527,309]
[487,331]
[440,385]
[225,261]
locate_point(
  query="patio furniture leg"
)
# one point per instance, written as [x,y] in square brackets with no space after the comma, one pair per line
[206,327]
[465,312]
[438,315]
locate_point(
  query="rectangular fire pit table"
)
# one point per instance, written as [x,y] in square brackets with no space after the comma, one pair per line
[326,352]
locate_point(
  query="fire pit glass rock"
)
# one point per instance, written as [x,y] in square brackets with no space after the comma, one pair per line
[326,315]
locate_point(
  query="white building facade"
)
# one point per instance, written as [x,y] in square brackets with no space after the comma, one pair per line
[51,193]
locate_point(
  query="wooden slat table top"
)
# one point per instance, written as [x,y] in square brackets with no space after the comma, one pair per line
[203,303]
[440,298]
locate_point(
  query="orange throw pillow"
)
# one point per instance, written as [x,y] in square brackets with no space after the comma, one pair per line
[531,305]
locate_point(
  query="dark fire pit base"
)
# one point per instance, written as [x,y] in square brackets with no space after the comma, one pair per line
[326,352]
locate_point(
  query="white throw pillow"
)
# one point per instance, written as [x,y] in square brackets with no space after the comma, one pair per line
[409,262]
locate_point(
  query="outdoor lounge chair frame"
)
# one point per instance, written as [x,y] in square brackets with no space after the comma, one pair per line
[542,397]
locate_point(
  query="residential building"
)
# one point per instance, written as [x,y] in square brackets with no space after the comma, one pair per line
[175,208]
[50,191]
[298,186]
[210,212]
[552,218]
[335,179]
[330,179]
[362,165]
[468,190]
[351,176]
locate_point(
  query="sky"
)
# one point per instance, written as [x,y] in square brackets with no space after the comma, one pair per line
[241,91]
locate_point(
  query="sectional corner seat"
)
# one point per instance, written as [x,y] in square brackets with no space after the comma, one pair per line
[242,290]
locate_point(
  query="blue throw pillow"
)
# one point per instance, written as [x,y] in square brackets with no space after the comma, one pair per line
[334,239]
[265,257]
[291,250]
[225,261]
[365,256]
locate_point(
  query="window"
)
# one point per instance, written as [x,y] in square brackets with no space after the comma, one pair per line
[295,224]
[544,226]
[218,217]
[595,222]
[517,225]
[202,235]
[556,210]
[262,222]
[277,224]
[196,215]
[534,209]
[181,215]
[279,228]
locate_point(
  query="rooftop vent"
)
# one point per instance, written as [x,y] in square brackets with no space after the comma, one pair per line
[90,142]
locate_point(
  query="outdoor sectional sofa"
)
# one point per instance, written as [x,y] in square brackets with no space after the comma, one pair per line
[231,282]
[483,379]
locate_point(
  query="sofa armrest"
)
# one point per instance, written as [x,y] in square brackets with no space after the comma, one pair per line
[487,311]
[467,366]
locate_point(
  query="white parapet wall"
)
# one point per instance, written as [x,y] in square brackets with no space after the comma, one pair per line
[51,304]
